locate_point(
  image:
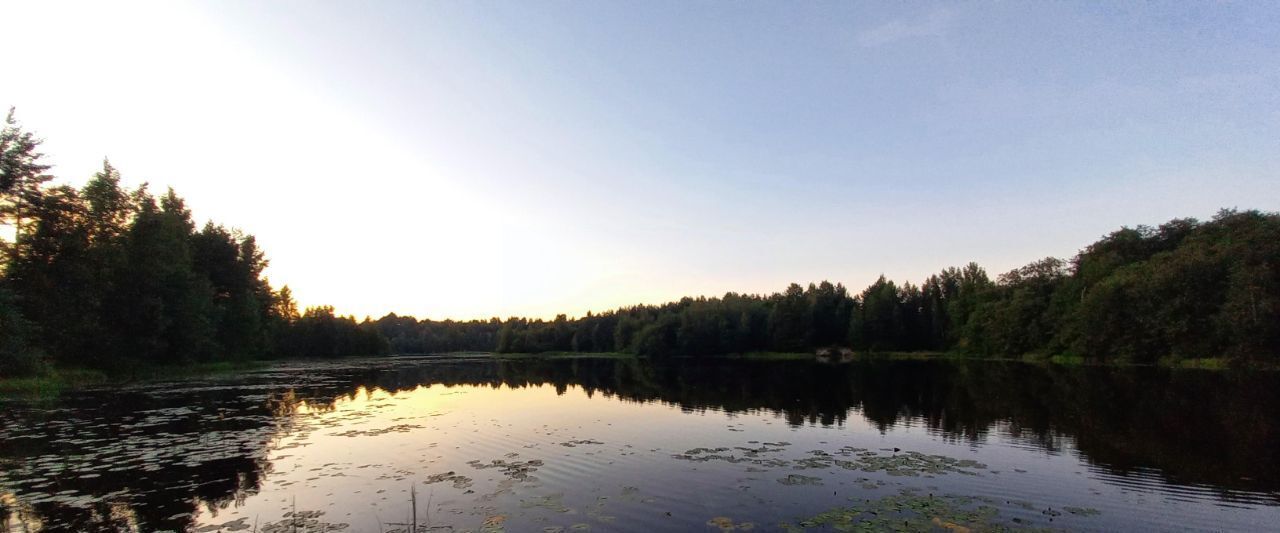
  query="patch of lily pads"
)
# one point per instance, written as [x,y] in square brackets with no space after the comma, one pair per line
[906,512]
[893,463]
[302,521]
[727,524]
[517,470]
[459,481]
[550,502]
[399,428]
[910,510]
[797,479]
[581,442]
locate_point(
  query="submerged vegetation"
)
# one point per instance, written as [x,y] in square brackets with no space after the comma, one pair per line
[110,279]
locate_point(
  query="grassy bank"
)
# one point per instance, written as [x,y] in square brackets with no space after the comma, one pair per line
[858,356]
[55,380]
[52,382]
[1216,363]
[1203,363]
[564,355]
[1207,363]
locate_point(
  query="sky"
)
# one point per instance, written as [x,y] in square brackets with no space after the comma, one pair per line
[478,159]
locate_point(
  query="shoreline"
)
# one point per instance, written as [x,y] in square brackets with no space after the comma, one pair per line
[55,380]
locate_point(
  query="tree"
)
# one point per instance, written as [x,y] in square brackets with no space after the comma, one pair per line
[285,307]
[53,273]
[791,321]
[21,173]
[830,306]
[17,355]
[242,301]
[658,339]
[877,323]
[110,207]
[169,305]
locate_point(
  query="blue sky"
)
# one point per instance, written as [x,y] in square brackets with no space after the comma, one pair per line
[474,159]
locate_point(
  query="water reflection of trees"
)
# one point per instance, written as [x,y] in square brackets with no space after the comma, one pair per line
[153,495]
[1207,428]
[1194,427]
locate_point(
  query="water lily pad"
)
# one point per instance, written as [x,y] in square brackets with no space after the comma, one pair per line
[797,479]
[1082,511]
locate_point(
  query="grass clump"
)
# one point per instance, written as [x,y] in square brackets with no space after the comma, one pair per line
[54,380]
[50,382]
[1203,363]
[777,356]
[564,355]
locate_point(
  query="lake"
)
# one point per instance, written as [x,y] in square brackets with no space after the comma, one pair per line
[604,444]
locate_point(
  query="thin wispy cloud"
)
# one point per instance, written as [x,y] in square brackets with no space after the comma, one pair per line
[933,24]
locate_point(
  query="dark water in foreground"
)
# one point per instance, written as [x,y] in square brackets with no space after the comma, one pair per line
[624,445]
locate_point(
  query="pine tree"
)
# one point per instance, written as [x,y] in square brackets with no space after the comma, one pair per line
[21,173]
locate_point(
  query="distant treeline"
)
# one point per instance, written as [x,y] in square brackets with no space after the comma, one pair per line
[408,335]
[109,278]
[1186,289]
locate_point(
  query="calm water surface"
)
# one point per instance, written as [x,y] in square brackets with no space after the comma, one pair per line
[625,445]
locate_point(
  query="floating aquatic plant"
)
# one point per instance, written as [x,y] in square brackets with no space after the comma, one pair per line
[797,479]
[912,511]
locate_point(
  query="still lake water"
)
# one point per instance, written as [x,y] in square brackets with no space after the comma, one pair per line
[627,445]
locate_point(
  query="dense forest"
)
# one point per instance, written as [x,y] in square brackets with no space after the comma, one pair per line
[1185,290]
[109,278]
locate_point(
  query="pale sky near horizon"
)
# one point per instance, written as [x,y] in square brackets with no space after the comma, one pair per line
[477,159]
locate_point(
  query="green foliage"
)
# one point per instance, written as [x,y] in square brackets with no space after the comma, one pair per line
[17,357]
[320,333]
[790,320]
[51,271]
[110,279]
[106,278]
[408,335]
[241,298]
[22,175]
[1184,291]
